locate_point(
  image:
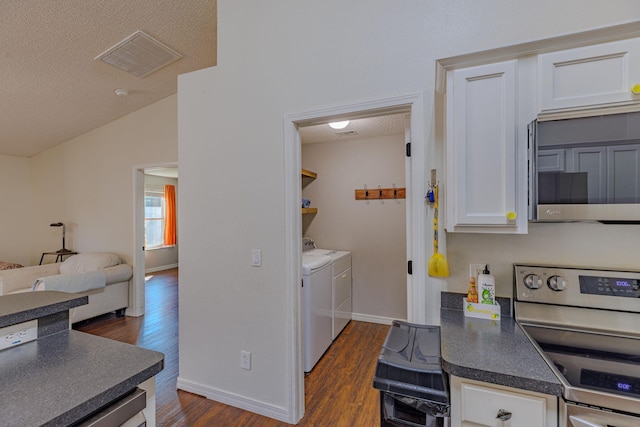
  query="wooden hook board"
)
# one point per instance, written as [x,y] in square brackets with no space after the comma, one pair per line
[380,193]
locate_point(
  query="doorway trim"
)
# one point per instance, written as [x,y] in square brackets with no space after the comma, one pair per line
[416,248]
[137,291]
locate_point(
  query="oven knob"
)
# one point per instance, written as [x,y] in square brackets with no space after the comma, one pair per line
[532,281]
[557,283]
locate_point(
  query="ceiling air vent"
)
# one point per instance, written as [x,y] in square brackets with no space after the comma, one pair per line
[347,133]
[139,54]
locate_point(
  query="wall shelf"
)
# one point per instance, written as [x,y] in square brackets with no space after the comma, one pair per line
[309,174]
[312,175]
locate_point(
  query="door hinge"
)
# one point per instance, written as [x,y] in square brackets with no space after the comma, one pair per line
[410,267]
[408,149]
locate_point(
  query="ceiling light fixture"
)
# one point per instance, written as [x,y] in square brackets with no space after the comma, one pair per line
[121,92]
[339,125]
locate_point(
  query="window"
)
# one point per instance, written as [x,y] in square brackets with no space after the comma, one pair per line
[154,215]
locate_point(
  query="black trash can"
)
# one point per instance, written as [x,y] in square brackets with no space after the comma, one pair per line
[414,390]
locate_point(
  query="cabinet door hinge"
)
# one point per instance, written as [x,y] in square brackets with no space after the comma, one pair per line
[410,267]
[408,149]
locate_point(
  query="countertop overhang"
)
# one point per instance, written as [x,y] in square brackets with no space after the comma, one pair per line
[493,352]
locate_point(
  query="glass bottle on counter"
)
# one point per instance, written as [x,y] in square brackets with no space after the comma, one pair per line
[472,295]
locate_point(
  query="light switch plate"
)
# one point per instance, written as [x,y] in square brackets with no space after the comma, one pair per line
[256,257]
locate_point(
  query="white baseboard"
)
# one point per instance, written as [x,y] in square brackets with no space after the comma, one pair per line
[373,319]
[160,268]
[257,407]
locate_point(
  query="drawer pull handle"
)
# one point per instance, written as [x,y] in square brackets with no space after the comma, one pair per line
[503,415]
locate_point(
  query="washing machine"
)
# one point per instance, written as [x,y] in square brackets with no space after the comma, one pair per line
[341,278]
[317,315]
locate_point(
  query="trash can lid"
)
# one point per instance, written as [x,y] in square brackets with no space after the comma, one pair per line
[410,363]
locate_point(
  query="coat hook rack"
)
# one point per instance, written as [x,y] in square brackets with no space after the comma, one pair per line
[382,193]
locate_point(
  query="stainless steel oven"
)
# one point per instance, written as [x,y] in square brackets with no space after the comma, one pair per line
[586,324]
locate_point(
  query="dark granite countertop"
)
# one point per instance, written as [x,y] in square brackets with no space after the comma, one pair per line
[59,379]
[493,352]
[22,307]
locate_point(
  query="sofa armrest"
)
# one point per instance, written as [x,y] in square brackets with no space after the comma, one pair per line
[118,273]
[20,279]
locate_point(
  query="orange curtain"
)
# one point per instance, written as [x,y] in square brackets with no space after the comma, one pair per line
[170,215]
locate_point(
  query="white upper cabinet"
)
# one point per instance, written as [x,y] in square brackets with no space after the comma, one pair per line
[590,77]
[484,185]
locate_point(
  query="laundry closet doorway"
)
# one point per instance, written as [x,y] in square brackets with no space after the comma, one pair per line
[368,154]
[415,183]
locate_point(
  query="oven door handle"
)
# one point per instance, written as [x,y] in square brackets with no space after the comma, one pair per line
[583,422]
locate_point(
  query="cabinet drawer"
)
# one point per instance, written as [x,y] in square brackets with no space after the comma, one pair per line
[341,265]
[480,406]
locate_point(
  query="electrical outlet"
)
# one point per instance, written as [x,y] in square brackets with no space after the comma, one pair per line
[475,269]
[18,334]
[245,360]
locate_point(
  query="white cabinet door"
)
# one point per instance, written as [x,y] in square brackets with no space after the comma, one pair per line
[590,76]
[476,404]
[481,149]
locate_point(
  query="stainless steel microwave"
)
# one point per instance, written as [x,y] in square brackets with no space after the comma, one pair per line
[585,169]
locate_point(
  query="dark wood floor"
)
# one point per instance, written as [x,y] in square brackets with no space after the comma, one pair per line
[338,392]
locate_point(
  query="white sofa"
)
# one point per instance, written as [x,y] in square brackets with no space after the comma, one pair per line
[114,296]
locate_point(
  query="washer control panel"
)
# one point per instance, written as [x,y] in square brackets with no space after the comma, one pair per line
[581,287]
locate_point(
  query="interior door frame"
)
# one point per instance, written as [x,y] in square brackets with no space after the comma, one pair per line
[415,227]
[137,291]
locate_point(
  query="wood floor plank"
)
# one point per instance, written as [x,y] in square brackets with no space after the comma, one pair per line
[338,392]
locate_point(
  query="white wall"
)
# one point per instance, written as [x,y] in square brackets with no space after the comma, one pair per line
[373,230]
[14,214]
[285,57]
[161,258]
[87,182]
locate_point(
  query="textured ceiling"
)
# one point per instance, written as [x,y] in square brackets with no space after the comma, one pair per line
[52,88]
[392,124]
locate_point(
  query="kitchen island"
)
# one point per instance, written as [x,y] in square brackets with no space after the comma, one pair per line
[64,376]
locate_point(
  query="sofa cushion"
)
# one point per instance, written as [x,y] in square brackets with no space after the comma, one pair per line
[82,263]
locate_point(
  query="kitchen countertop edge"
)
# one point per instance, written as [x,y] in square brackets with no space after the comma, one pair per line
[493,352]
[96,377]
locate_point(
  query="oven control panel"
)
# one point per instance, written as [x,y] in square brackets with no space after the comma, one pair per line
[582,287]
[615,286]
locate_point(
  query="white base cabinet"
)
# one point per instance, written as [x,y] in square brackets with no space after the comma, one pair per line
[475,404]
